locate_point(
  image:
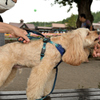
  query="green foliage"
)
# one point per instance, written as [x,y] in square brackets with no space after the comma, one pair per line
[96,17]
[66,2]
[45,24]
[71,21]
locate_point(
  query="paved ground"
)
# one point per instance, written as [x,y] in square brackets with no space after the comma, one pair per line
[87,75]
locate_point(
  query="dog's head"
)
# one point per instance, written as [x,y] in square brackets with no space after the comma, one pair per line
[80,39]
[89,38]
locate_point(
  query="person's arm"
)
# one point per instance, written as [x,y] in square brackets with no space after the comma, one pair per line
[89,25]
[91,28]
[14,31]
[14,1]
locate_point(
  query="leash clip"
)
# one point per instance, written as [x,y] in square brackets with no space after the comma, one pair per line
[45,40]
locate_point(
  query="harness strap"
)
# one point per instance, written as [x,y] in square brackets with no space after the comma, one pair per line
[59,47]
[43,51]
[45,40]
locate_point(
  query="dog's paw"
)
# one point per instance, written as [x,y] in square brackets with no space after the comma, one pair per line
[34,92]
[32,98]
[33,95]
[47,98]
[47,91]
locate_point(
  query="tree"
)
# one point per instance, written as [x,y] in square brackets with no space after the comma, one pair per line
[83,7]
[72,21]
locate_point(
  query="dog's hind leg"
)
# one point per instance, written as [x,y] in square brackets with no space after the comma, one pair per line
[38,78]
[10,77]
[49,83]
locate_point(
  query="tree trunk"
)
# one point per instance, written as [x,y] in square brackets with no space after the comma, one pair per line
[84,7]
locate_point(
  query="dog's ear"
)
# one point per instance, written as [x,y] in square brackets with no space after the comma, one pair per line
[75,53]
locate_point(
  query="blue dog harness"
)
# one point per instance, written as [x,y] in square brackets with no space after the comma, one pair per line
[58,47]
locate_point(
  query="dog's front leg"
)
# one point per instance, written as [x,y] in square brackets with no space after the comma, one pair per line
[49,83]
[38,78]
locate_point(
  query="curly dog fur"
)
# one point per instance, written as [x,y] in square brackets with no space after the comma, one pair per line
[42,74]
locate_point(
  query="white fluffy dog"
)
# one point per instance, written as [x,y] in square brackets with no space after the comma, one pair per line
[42,74]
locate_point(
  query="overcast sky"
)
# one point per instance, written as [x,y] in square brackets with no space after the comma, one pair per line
[24,9]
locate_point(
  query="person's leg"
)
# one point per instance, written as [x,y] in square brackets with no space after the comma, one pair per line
[2,39]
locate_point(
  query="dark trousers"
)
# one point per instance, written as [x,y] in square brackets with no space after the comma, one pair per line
[2,39]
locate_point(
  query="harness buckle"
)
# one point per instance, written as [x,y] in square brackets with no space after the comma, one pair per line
[45,40]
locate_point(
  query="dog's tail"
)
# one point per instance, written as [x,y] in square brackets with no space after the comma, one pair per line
[10,77]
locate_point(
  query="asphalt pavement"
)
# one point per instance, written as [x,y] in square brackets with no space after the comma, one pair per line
[87,75]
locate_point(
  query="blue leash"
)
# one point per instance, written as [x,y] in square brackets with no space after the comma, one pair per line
[28,31]
[59,48]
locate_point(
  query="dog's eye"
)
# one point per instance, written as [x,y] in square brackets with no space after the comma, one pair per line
[88,34]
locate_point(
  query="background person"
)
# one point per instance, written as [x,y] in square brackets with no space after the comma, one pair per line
[85,22]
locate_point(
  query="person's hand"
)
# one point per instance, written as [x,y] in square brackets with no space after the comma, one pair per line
[96,51]
[14,31]
[17,32]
